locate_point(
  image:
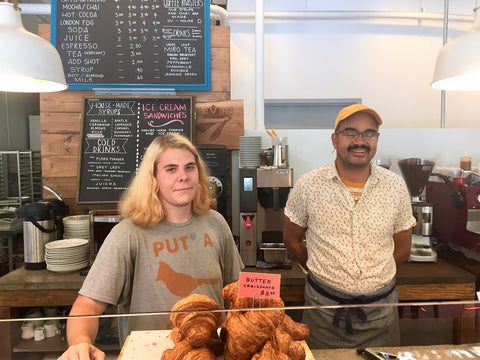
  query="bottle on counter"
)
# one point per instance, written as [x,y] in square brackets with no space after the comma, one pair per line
[466,162]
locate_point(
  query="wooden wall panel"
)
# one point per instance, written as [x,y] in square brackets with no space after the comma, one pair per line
[59,166]
[60,144]
[66,186]
[60,123]
[220,37]
[60,119]
[64,101]
[221,58]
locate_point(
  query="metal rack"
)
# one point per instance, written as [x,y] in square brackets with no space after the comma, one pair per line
[16,178]
[37,175]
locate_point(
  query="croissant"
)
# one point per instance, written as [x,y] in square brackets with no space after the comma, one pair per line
[283,342]
[193,320]
[247,332]
[230,293]
[268,352]
[176,336]
[297,331]
[216,346]
[184,351]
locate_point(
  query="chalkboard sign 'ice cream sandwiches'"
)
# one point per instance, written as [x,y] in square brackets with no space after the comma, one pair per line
[143,44]
[115,133]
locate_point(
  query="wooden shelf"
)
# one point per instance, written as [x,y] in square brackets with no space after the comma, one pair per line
[46,345]
[54,344]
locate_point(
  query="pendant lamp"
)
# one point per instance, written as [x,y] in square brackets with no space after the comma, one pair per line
[458,63]
[28,63]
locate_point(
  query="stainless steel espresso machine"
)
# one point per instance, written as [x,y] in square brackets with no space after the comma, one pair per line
[457,214]
[263,195]
[416,173]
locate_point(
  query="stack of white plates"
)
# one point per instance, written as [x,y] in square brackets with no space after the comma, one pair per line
[67,255]
[76,227]
[250,149]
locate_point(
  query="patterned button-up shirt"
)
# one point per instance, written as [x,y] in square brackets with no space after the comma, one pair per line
[350,246]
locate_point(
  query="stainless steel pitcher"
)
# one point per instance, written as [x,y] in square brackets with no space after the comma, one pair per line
[38,229]
[280,152]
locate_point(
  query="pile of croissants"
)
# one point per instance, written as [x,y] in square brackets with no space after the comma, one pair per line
[245,334]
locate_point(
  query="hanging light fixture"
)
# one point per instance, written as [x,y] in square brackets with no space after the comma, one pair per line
[28,63]
[458,62]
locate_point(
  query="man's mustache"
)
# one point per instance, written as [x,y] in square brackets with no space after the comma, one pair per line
[353,147]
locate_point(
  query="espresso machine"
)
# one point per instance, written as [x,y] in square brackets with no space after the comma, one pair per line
[416,173]
[457,214]
[263,195]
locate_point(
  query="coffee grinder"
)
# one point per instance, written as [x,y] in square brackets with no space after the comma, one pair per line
[416,173]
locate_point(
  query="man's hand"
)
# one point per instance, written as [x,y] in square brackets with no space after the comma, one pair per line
[82,351]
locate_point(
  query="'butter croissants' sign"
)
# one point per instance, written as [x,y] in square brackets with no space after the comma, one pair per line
[258,285]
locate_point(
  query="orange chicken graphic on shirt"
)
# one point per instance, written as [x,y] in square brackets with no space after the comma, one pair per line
[179,284]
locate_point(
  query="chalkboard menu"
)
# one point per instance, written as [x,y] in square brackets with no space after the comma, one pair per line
[145,44]
[115,133]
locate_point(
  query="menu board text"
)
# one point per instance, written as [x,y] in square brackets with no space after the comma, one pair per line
[133,43]
[115,134]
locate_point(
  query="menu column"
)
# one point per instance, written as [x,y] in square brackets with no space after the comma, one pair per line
[133,43]
[82,53]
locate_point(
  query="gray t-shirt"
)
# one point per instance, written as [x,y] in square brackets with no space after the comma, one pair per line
[148,269]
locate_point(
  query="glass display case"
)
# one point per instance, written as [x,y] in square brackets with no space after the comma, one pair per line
[428,330]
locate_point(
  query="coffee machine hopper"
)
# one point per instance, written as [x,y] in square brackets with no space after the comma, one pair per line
[416,173]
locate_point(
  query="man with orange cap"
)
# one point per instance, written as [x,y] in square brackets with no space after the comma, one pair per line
[350,224]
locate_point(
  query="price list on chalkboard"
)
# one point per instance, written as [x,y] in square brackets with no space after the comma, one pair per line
[115,134]
[154,44]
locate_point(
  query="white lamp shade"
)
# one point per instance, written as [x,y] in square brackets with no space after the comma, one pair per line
[458,63]
[28,63]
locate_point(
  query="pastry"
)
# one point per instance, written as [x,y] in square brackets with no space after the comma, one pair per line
[268,352]
[193,319]
[176,336]
[252,332]
[297,331]
[230,293]
[184,351]
[248,331]
[283,342]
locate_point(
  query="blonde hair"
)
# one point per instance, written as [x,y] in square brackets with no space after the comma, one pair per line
[141,202]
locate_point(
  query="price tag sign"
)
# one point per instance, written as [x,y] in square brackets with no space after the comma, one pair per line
[258,285]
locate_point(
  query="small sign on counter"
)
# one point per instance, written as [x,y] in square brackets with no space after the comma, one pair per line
[259,285]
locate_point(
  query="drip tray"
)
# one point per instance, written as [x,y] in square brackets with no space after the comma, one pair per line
[275,253]
[273,246]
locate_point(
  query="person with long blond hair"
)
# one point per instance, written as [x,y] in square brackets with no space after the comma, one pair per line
[141,201]
[169,245]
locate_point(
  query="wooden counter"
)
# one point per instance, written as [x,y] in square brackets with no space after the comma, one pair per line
[32,288]
[466,351]
[415,282]
[434,281]
[37,288]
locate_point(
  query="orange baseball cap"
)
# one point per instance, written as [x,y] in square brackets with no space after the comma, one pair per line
[353,109]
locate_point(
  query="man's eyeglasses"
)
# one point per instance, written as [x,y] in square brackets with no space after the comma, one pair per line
[352,134]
